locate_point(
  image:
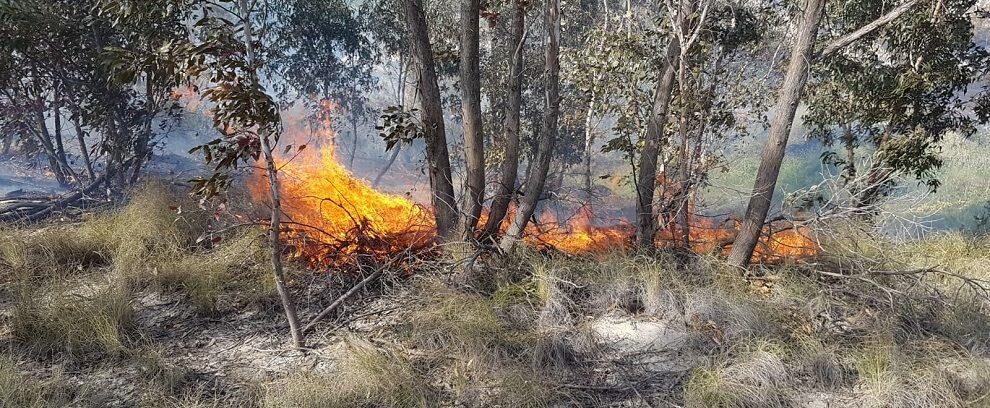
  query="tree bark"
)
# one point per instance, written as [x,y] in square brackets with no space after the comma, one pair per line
[780,129]
[142,150]
[437,156]
[83,149]
[474,145]
[276,214]
[506,187]
[538,174]
[646,175]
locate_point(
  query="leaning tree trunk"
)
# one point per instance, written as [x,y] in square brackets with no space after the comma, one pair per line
[780,129]
[437,156]
[787,103]
[276,214]
[474,145]
[510,163]
[537,176]
[646,177]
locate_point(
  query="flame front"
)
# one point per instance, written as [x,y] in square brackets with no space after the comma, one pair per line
[332,215]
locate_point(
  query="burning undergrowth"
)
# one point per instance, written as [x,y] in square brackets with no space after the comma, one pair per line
[334,217]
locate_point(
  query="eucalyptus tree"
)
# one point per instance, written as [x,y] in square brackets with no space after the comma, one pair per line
[802,56]
[325,51]
[65,64]
[470,85]
[224,50]
[511,129]
[536,178]
[901,98]
[437,155]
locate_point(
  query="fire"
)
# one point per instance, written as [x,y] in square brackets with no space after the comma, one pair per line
[332,215]
[579,234]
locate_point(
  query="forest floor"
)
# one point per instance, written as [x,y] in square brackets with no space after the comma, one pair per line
[130,308]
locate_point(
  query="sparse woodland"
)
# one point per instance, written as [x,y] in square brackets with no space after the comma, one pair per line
[466,203]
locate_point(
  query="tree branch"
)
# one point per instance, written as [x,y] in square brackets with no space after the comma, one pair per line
[852,37]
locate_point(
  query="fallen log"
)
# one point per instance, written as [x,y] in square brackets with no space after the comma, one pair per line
[34,210]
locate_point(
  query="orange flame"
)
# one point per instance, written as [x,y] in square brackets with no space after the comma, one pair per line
[333,215]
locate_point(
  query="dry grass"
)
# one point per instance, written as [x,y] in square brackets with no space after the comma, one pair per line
[22,391]
[236,267]
[52,251]
[363,376]
[55,320]
[757,377]
[156,227]
[449,319]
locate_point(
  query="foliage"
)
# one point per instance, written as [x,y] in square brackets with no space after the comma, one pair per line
[902,89]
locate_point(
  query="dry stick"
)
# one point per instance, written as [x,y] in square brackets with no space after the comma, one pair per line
[340,300]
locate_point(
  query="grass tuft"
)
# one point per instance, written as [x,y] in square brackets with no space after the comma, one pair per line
[22,391]
[76,324]
[237,266]
[363,376]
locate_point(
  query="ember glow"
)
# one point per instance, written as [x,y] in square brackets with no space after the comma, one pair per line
[333,215]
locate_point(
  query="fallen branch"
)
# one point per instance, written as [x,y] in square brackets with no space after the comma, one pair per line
[34,211]
[340,300]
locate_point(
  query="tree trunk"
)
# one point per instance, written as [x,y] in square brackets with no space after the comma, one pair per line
[589,142]
[276,215]
[142,150]
[780,129]
[506,187]
[354,144]
[59,143]
[684,171]
[646,176]
[538,174]
[83,149]
[45,138]
[437,156]
[391,161]
[474,144]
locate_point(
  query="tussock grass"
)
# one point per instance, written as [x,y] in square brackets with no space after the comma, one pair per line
[22,391]
[52,251]
[156,226]
[237,266]
[755,378]
[60,321]
[446,318]
[920,373]
[363,376]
